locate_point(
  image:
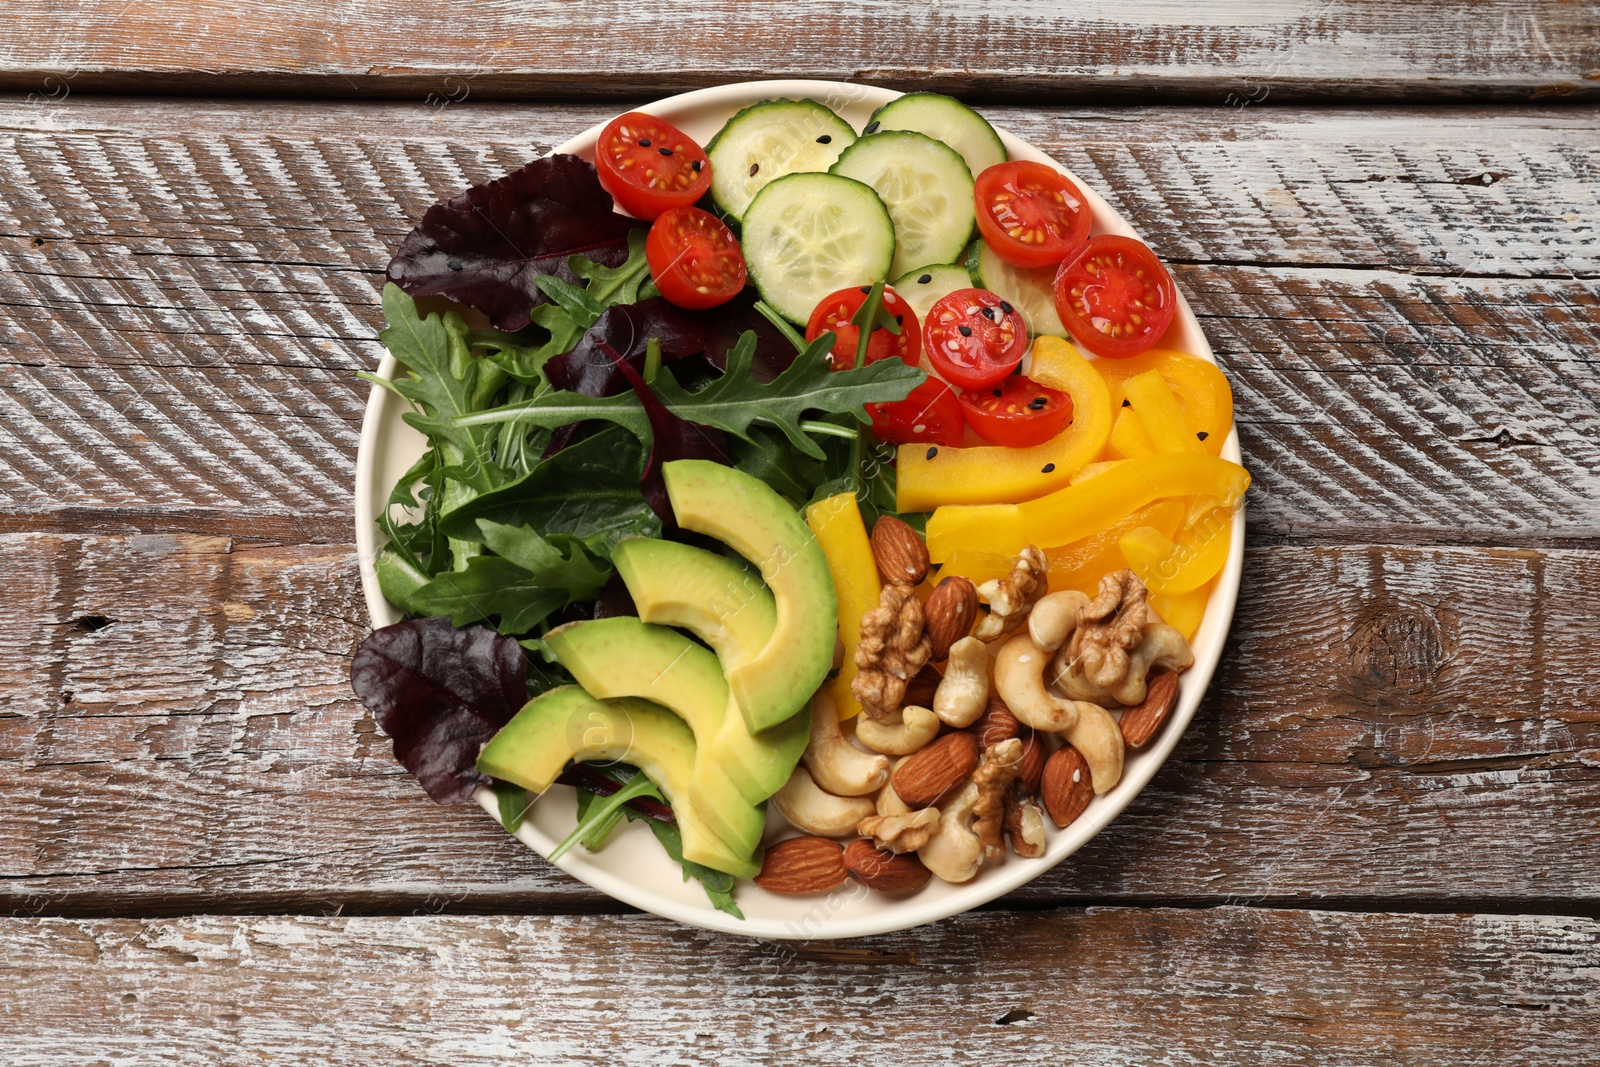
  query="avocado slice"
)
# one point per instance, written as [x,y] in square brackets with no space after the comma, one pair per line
[746,514]
[725,605]
[624,657]
[568,724]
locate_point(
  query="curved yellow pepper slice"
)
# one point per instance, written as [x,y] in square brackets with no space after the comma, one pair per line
[1199,387]
[1182,610]
[1183,565]
[837,524]
[1084,509]
[988,474]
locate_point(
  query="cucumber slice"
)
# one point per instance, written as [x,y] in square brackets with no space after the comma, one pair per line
[923,286]
[808,235]
[946,119]
[927,188]
[1031,290]
[765,141]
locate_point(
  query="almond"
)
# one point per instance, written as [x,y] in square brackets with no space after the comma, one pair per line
[1066,786]
[802,865]
[901,556]
[920,690]
[950,611]
[927,776]
[884,871]
[1032,769]
[1140,723]
[996,724]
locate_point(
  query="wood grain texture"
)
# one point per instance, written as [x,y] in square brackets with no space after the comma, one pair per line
[1394,724]
[1099,987]
[185,300]
[1033,49]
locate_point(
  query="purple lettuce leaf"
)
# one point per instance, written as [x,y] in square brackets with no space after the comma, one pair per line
[440,693]
[671,437]
[485,247]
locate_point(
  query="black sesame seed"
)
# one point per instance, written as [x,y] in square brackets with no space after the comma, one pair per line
[697,164]
[872,127]
[1005,305]
[644,142]
[866,289]
[665,151]
[826,138]
[932,452]
[1127,403]
[988,313]
[999,392]
[925,279]
[966,331]
[753,168]
[1038,403]
[1202,435]
[1047,468]
[899,320]
[455,264]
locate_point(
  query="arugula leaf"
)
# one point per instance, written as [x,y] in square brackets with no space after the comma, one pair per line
[597,814]
[589,489]
[734,401]
[512,804]
[717,884]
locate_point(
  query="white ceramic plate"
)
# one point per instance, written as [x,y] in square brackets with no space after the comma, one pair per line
[631,867]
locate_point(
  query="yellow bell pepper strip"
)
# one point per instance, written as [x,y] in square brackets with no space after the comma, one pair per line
[1081,510]
[1128,439]
[1182,611]
[1157,410]
[1184,565]
[1093,469]
[837,524]
[1199,387]
[932,477]
[1079,565]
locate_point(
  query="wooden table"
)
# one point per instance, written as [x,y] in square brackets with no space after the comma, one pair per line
[1378,841]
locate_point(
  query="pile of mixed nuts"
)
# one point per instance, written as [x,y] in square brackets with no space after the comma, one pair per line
[976,724]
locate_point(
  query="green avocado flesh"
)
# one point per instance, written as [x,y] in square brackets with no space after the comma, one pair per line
[624,657]
[744,513]
[728,608]
[568,724]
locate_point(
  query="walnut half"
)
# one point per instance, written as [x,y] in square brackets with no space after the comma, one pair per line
[1012,597]
[894,646]
[1114,647]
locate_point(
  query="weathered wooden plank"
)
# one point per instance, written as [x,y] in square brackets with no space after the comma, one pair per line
[1239,51]
[1097,987]
[187,362]
[177,733]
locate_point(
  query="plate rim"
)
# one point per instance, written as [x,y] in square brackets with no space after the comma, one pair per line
[909,912]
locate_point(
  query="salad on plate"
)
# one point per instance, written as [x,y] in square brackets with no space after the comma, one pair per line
[829,501]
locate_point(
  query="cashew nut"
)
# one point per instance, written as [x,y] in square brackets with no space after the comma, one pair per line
[901,833]
[1098,738]
[964,692]
[813,811]
[955,853]
[889,802]
[1054,617]
[1019,680]
[835,764]
[909,729]
[1161,647]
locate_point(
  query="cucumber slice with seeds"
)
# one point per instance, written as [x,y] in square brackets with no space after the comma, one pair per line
[946,119]
[923,286]
[768,140]
[808,235]
[1031,290]
[925,185]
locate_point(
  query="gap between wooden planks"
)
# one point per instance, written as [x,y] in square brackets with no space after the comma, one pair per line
[1102,987]
[1390,726]
[1412,350]
[1224,51]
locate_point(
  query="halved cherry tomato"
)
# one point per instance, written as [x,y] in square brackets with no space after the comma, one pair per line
[833,313]
[974,338]
[694,258]
[648,165]
[1018,412]
[931,413]
[1115,296]
[1030,214]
